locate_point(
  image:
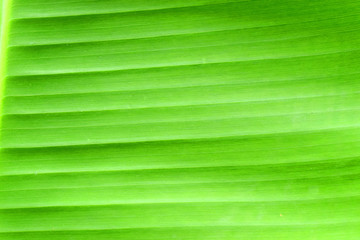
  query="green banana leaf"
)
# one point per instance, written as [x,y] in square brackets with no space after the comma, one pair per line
[180,120]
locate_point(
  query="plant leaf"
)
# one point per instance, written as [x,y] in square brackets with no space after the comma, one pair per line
[183,120]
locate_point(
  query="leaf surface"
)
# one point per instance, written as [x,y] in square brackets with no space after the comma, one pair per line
[183,120]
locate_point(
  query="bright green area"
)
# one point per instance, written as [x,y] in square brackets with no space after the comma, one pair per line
[180,120]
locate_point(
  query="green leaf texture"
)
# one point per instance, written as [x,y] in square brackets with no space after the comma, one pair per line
[180,120]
